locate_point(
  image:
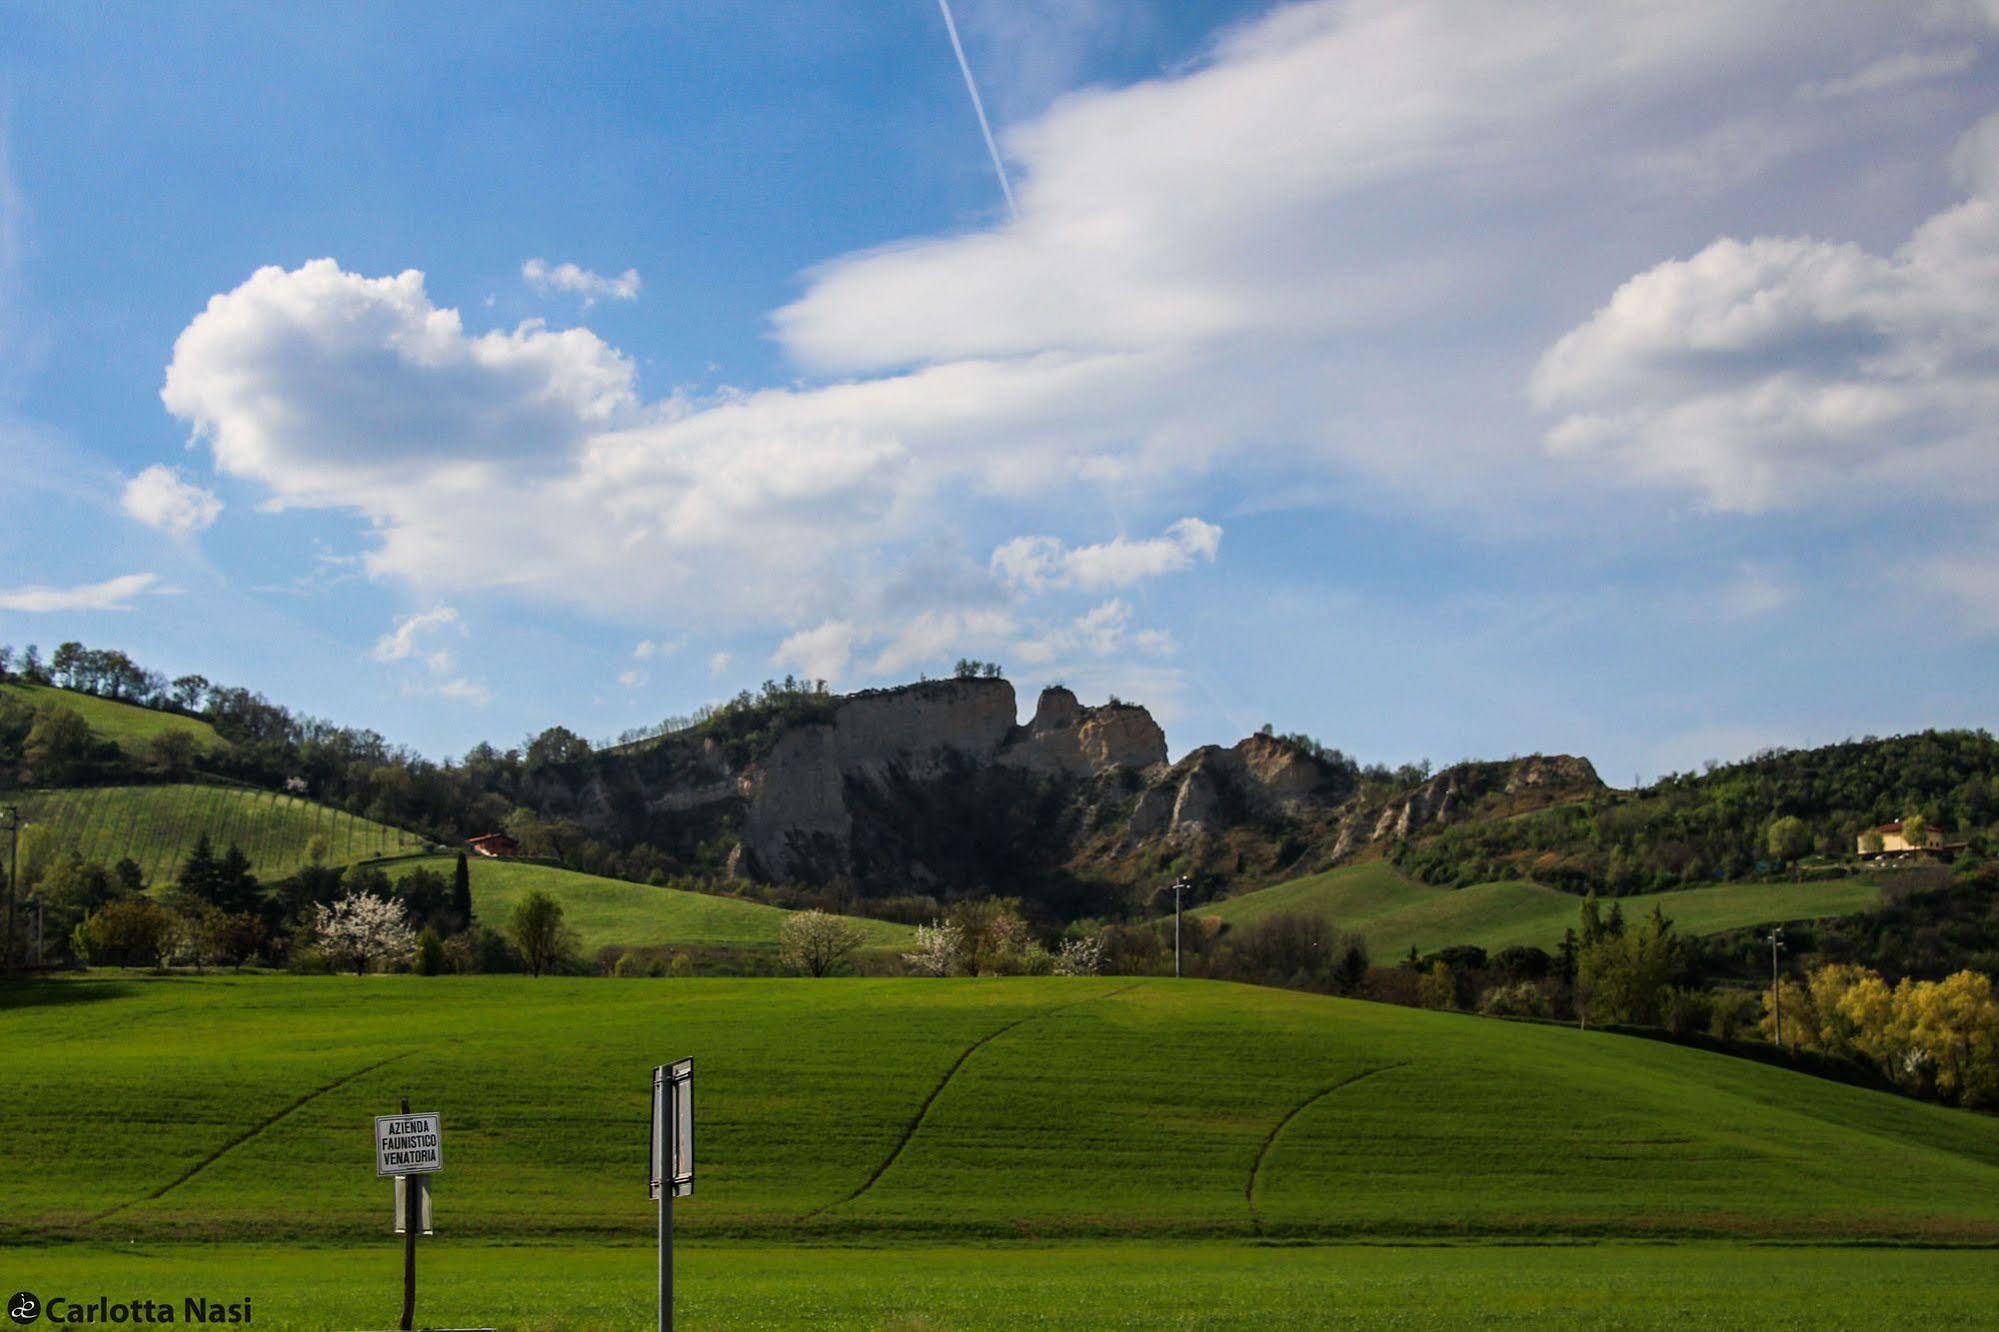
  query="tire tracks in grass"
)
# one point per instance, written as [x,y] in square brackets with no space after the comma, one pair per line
[1270,1141]
[247,1134]
[923,1111]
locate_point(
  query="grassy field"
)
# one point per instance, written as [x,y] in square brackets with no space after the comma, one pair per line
[177,1109]
[1395,912]
[636,915]
[980,1153]
[158,825]
[1071,1285]
[130,726]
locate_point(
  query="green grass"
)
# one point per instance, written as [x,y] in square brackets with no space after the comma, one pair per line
[190,1109]
[1394,912]
[158,825]
[1075,1285]
[131,726]
[636,915]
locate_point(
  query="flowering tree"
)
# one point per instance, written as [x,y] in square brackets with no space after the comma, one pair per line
[815,943]
[360,929]
[1080,957]
[939,950]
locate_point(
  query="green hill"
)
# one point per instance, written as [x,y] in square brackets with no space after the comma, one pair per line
[937,1110]
[1394,912]
[636,915]
[128,724]
[158,825]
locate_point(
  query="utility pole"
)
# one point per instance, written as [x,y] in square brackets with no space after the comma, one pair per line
[1180,885]
[1776,991]
[13,814]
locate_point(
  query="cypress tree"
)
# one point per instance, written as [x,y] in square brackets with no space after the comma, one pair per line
[199,874]
[461,892]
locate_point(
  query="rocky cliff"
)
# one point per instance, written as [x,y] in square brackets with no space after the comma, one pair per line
[937,787]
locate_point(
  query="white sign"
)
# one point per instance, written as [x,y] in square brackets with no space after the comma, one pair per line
[408,1144]
[673,1129]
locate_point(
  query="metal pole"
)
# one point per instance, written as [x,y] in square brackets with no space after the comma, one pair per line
[13,876]
[412,1222]
[666,1255]
[1176,929]
[1776,991]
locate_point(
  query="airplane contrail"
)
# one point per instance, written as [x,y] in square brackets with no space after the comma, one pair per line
[972,87]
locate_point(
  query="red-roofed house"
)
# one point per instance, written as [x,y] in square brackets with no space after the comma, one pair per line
[495,845]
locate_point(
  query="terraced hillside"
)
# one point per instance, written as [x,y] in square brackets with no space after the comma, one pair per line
[129,725]
[938,1110]
[634,915]
[1394,912]
[158,825]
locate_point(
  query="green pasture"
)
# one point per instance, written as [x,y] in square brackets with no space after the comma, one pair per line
[158,825]
[637,915]
[1394,912]
[208,1109]
[131,726]
[1082,1284]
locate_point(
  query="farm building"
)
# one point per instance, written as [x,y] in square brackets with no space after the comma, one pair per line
[1893,841]
[496,845]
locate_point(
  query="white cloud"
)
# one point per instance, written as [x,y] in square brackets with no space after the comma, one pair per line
[650,648]
[631,679]
[1034,563]
[113,594]
[1781,369]
[1753,593]
[413,640]
[1104,630]
[1312,252]
[934,635]
[160,498]
[1893,72]
[545,278]
[719,662]
[820,653]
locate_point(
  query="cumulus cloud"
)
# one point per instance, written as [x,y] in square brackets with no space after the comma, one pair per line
[160,498]
[546,278]
[1893,72]
[414,639]
[113,594]
[1104,630]
[1767,371]
[648,648]
[821,652]
[719,662]
[1035,563]
[1310,251]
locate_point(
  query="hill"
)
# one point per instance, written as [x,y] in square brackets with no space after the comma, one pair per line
[158,825]
[634,915]
[941,1110]
[126,724]
[1395,913]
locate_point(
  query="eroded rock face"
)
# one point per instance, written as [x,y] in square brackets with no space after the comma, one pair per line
[1452,793]
[1067,738]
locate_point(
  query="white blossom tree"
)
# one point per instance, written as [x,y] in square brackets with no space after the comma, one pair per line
[815,943]
[361,929]
[939,950]
[1080,957]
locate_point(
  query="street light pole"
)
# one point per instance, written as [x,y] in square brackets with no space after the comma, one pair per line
[1180,885]
[1776,991]
[13,814]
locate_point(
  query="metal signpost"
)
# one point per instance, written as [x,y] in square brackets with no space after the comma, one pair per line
[672,1172]
[409,1148]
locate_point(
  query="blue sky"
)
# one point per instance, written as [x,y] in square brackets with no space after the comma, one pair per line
[1443,382]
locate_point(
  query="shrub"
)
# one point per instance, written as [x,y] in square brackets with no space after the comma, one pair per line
[429,953]
[1731,1013]
[1520,999]
[1682,1011]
